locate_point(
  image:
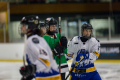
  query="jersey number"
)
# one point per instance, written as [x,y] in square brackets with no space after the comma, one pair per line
[43,52]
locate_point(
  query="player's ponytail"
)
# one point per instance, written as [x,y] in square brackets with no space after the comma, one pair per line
[38,32]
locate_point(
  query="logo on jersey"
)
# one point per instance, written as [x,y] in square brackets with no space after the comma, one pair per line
[43,52]
[35,40]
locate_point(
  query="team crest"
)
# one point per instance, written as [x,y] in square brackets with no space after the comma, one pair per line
[36,21]
[35,40]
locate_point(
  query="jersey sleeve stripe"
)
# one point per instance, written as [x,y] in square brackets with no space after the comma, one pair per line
[46,62]
[70,55]
[97,54]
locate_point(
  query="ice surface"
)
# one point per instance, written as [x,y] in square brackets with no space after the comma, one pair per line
[108,71]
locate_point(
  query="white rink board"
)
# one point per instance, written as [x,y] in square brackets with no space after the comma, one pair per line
[11,51]
[108,71]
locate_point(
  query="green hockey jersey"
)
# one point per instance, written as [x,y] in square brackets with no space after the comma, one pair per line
[52,42]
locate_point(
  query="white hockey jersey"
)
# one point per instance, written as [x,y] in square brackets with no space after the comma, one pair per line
[39,54]
[91,45]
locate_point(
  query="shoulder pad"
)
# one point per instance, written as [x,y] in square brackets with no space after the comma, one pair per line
[35,40]
[74,38]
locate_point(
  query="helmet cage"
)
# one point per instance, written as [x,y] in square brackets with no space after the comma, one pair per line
[86,26]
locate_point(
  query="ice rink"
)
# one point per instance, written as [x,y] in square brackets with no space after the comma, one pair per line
[108,71]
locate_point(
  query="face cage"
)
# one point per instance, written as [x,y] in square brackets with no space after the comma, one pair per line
[19,29]
[47,26]
[56,27]
[90,34]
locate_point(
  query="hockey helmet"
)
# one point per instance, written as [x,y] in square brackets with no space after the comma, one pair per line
[31,21]
[86,26]
[50,21]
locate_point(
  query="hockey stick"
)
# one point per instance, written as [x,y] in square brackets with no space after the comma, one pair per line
[24,53]
[81,58]
[59,43]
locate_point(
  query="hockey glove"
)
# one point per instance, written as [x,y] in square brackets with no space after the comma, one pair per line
[58,50]
[64,41]
[28,70]
[27,78]
[83,53]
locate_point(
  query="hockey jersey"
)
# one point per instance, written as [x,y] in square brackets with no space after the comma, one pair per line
[92,46]
[39,54]
[52,42]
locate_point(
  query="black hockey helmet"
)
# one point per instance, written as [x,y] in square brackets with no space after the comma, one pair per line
[86,26]
[50,21]
[32,21]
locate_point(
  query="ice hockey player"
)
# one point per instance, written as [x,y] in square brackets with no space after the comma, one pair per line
[42,26]
[88,48]
[41,64]
[52,38]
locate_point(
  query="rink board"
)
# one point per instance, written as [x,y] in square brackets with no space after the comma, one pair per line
[110,51]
